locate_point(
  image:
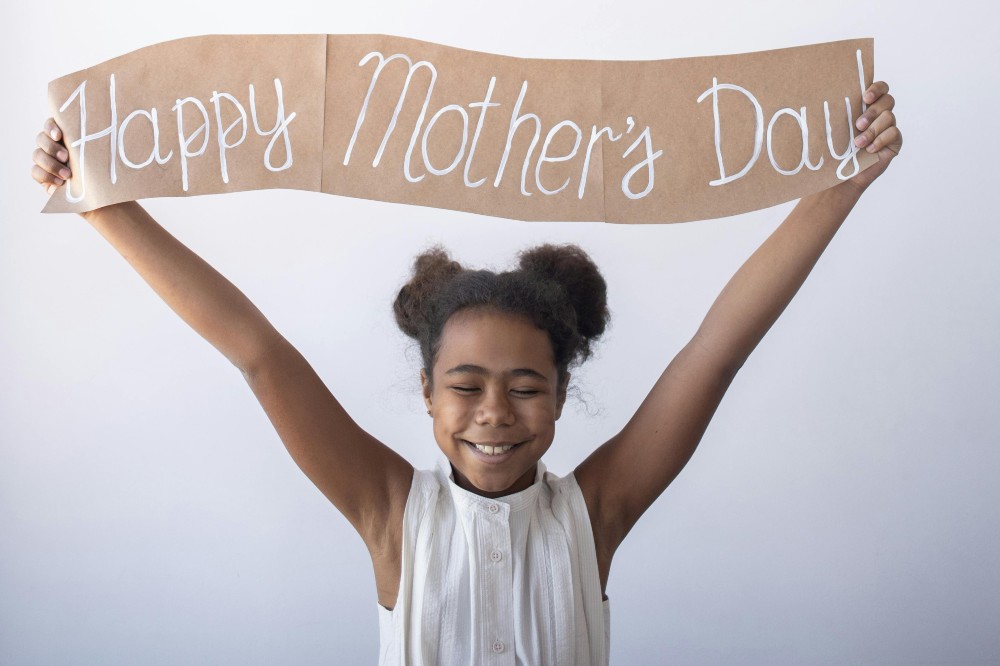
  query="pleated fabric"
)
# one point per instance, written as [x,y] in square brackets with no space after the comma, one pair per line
[505,581]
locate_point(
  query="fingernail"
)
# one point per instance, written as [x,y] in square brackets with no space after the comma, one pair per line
[869,97]
[52,188]
[862,123]
[64,173]
[58,182]
[860,140]
[61,156]
[55,134]
[871,148]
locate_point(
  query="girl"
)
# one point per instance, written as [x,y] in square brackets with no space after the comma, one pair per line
[489,558]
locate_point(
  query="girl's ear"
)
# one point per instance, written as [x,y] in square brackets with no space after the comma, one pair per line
[425,385]
[561,395]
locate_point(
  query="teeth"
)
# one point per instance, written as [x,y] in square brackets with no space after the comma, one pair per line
[494,450]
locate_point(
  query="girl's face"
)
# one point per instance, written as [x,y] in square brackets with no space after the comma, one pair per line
[494,384]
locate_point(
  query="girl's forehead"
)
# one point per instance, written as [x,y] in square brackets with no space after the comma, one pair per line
[496,341]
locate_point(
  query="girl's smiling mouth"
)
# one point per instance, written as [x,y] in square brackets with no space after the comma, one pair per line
[493,452]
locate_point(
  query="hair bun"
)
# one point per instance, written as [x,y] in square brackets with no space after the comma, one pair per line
[431,269]
[573,269]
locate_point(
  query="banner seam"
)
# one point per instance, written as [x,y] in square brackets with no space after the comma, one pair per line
[604,163]
[326,86]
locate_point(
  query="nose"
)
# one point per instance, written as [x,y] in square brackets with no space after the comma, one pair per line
[494,409]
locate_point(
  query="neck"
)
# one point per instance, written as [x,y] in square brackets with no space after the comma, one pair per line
[523,483]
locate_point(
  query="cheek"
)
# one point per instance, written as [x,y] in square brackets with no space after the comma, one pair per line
[444,431]
[448,406]
[541,417]
[451,415]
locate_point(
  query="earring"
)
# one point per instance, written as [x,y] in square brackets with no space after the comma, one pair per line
[428,412]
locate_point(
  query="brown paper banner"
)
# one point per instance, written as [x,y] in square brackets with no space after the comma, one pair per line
[396,119]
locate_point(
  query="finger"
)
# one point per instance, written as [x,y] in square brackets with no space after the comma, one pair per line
[52,129]
[885,102]
[50,164]
[45,179]
[53,148]
[875,91]
[888,143]
[885,120]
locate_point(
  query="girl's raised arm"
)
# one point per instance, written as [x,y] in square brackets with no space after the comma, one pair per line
[623,477]
[366,480]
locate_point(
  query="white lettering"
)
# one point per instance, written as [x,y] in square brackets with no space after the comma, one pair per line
[382,62]
[280,128]
[851,153]
[647,161]
[543,157]
[800,117]
[154,153]
[461,151]
[221,134]
[479,127]
[594,137]
[515,121]
[758,129]
[185,141]
[112,130]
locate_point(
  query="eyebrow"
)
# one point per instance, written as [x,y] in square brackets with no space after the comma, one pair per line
[468,368]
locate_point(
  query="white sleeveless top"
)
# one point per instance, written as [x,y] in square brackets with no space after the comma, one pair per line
[504,581]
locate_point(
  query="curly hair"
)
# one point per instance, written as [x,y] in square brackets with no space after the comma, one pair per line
[557,287]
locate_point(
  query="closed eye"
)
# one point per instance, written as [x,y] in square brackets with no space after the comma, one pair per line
[465,389]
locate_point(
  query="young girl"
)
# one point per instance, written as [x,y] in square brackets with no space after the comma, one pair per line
[489,558]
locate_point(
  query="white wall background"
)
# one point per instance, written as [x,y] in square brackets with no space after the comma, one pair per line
[842,508]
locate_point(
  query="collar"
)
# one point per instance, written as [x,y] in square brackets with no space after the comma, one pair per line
[505,505]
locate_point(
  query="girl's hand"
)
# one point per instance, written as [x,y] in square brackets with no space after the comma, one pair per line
[50,169]
[879,132]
